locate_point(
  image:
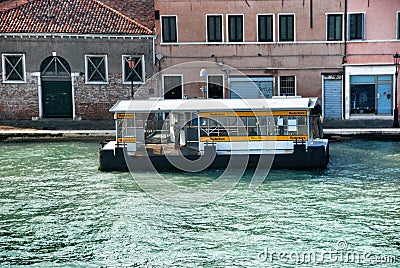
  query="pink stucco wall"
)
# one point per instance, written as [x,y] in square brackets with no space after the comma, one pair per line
[380,32]
[307,57]
[381,41]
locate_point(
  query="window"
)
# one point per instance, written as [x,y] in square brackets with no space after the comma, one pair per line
[398,25]
[215,86]
[13,68]
[96,69]
[287,86]
[55,67]
[173,86]
[371,94]
[214,28]
[356,26]
[169,29]
[135,74]
[265,28]
[235,28]
[286,28]
[334,27]
[259,125]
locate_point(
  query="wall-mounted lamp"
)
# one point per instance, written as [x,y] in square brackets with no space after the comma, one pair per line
[204,74]
[159,56]
[131,64]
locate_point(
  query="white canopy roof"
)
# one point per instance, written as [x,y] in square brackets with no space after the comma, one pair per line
[210,105]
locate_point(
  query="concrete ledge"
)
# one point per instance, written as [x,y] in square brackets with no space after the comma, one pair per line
[364,131]
[33,134]
[371,133]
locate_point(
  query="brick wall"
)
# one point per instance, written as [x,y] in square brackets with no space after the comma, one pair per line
[19,101]
[94,101]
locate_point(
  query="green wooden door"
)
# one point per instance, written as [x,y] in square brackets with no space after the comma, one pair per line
[57,98]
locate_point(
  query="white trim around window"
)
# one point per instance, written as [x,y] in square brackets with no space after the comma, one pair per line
[227,29]
[170,75]
[294,27]
[348,26]
[176,29]
[142,71]
[6,62]
[398,25]
[273,27]
[326,26]
[222,28]
[88,76]
[279,84]
[223,84]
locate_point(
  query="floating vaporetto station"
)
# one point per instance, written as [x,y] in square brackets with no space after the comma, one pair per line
[213,133]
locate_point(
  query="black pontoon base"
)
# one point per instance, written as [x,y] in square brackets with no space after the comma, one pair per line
[314,157]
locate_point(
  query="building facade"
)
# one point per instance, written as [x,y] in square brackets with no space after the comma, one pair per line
[287,48]
[373,34]
[339,50]
[70,59]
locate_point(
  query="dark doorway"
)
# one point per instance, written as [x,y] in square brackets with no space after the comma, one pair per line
[173,87]
[215,86]
[56,88]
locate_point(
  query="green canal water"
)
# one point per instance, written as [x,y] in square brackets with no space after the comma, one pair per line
[58,210]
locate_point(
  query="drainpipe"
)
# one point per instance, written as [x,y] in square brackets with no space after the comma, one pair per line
[344,62]
[154,52]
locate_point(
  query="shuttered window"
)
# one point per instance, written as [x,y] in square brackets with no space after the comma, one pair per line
[169,29]
[96,69]
[13,68]
[265,28]
[235,28]
[214,28]
[334,27]
[398,25]
[356,26]
[136,73]
[286,28]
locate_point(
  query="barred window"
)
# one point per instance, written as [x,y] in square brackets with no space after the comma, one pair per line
[96,69]
[287,86]
[13,68]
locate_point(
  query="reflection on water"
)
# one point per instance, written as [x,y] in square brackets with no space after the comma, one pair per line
[56,209]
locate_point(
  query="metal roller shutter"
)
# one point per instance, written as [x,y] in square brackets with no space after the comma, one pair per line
[251,87]
[332,98]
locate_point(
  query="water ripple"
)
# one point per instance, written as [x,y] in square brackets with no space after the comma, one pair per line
[57,210]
